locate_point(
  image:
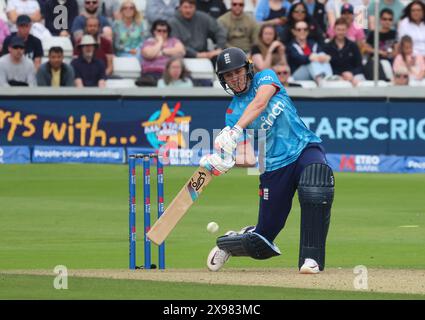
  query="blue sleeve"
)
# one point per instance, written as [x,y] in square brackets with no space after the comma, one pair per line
[265,77]
[78,24]
[287,6]
[262,10]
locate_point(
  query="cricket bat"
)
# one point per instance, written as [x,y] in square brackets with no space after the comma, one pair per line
[179,206]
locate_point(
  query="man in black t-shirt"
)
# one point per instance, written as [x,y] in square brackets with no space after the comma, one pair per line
[387,42]
[33,46]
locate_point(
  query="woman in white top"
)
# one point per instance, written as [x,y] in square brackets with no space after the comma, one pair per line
[413,25]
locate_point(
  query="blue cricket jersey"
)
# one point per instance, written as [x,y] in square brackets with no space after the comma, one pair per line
[286,135]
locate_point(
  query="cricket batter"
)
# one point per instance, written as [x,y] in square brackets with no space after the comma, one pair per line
[294,160]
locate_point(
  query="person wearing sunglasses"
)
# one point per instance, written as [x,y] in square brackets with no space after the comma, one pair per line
[396,6]
[401,77]
[91,9]
[130,31]
[283,72]
[387,44]
[15,68]
[407,59]
[306,57]
[299,12]
[159,49]
[241,28]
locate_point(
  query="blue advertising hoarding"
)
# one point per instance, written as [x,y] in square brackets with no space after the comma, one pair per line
[374,126]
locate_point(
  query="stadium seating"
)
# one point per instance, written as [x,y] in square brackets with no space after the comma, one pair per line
[200,68]
[126,67]
[120,83]
[63,42]
[369,83]
[309,84]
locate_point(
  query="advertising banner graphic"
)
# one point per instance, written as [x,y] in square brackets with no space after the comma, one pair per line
[14,154]
[349,126]
[52,154]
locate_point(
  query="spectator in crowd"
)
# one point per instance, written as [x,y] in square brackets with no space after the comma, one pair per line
[89,71]
[316,10]
[346,60]
[104,49]
[354,33]
[193,28]
[157,50]
[413,25]
[129,31]
[387,44]
[215,8]
[33,46]
[91,9]
[175,75]
[55,73]
[241,28]
[283,72]
[394,5]
[272,12]
[60,28]
[299,12]
[269,50]
[409,60]
[160,10]
[306,57]
[3,6]
[333,9]
[16,8]
[401,77]
[15,68]
[110,9]
[4,32]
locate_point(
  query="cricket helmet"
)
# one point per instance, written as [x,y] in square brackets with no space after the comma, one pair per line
[231,59]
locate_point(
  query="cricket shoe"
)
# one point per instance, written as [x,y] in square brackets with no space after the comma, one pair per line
[217,258]
[310,266]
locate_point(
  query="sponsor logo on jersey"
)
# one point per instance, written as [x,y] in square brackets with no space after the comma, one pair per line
[268,121]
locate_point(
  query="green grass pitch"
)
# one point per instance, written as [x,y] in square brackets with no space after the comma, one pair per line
[77,216]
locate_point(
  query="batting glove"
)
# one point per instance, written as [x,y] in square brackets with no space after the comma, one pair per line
[227,139]
[216,164]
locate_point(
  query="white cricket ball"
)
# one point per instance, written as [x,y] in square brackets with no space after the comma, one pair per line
[212,227]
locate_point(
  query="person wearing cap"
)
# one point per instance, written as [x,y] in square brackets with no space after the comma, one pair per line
[15,68]
[104,50]
[33,46]
[354,33]
[89,71]
[15,8]
[333,9]
[55,73]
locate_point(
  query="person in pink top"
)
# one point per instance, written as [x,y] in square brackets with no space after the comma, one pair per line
[4,32]
[354,33]
[157,50]
[406,59]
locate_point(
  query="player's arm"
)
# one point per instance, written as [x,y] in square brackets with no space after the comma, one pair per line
[257,106]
